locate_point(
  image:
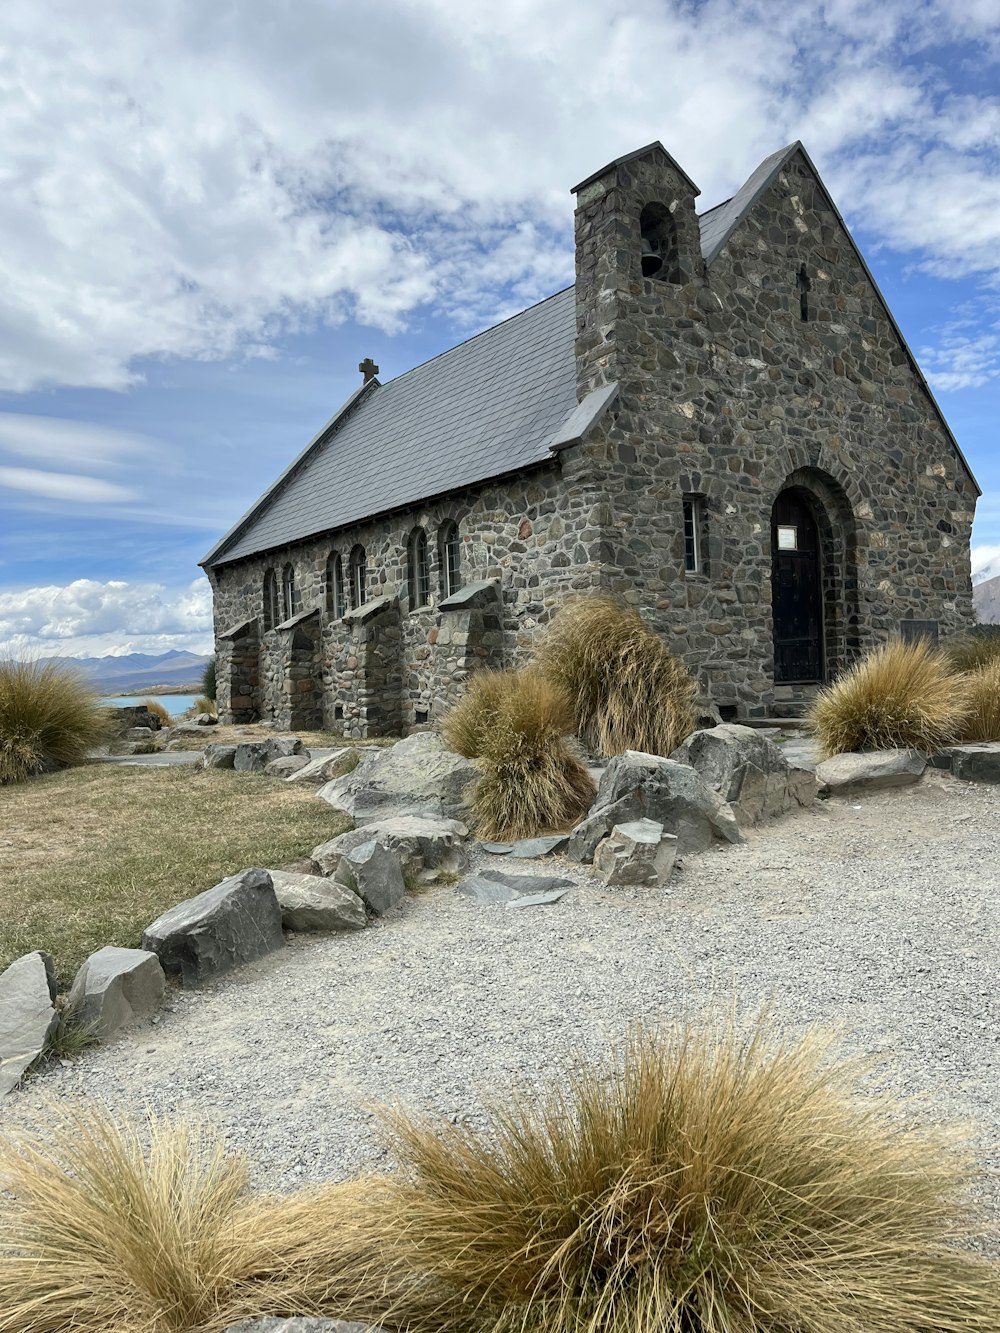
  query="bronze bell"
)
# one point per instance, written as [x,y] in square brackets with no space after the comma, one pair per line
[652,260]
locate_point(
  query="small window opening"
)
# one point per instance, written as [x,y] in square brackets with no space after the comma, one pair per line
[359,577]
[335,586]
[420,717]
[451,570]
[270,599]
[658,231]
[338,712]
[804,286]
[727,712]
[694,534]
[418,574]
[288,592]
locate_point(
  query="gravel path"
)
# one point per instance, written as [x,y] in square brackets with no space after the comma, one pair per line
[878,915]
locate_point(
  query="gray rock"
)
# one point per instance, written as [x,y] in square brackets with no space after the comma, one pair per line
[222,928]
[979,762]
[497,886]
[137,715]
[27,1015]
[636,853]
[882,768]
[747,770]
[415,776]
[310,902]
[286,766]
[427,845]
[205,720]
[218,755]
[530,849]
[496,848]
[254,756]
[186,729]
[374,873]
[537,899]
[646,786]
[140,734]
[115,988]
[326,768]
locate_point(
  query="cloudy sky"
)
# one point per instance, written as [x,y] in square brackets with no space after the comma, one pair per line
[210,213]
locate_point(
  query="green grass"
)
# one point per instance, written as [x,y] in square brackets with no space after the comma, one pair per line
[92,855]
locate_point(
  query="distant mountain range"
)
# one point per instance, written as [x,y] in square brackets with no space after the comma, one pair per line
[137,672]
[986,600]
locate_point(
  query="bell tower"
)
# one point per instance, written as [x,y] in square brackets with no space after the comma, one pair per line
[638,263]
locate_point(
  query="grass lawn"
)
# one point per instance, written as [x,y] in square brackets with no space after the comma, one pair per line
[90,856]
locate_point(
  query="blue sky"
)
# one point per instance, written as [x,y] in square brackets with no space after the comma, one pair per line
[210,214]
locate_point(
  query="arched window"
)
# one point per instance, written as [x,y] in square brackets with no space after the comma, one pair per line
[288,592]
[418,575]
[660,258]
[334,586]
[450,554]
[270,599]
[359,577]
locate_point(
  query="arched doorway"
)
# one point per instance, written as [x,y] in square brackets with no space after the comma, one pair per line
[796,590]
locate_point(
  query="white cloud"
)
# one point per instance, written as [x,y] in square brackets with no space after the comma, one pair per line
[87,617]
[962,362]
[58,440]
[63,486]
[190,181]
[985,562]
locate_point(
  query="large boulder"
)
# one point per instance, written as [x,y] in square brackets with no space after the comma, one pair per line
[867,772]
[285,767]
[415,776]
[311,902]
[427,845]
[27,1015]
[647,786]
[138,715]
[222,928]
[325,768]
[115,988]
[976,762]
[254,756]
[636,853]
[747,771]
[218,755]
[373,872]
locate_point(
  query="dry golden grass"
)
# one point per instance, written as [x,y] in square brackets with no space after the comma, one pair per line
[116,1229]
[901,695]
[49,719]
[254,731]
[714,1183]
[90,856]
[628,690]
[979,647]
[983,720]
[515,724]
[158,710]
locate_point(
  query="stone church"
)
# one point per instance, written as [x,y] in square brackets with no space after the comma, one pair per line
[719,422]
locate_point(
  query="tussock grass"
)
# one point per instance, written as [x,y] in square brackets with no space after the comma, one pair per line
[515,725]
[152,1230]
[201,705]
[158,710]
[983,720]
[712,1183]
[90,856]
[49,719]
[627,689]
[901,695]
[979,647]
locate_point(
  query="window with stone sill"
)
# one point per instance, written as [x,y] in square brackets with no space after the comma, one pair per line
[695,535]
[288,604]
[270,599]
[335,606]
[359,577]
[451,559]
[418,574]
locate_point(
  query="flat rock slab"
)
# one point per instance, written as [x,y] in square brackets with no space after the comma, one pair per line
[979,762]
[312,902]
[531,849]
[537,899]
[496,848]
[286,766]
[27,1015]
[493,887]
[116,988]
[881,768]
[426,845]
[231,924]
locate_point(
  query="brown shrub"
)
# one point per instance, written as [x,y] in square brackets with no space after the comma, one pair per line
[983,720]
[49,719]
[627,689]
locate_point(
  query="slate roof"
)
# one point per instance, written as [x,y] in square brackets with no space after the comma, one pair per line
[490,406]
